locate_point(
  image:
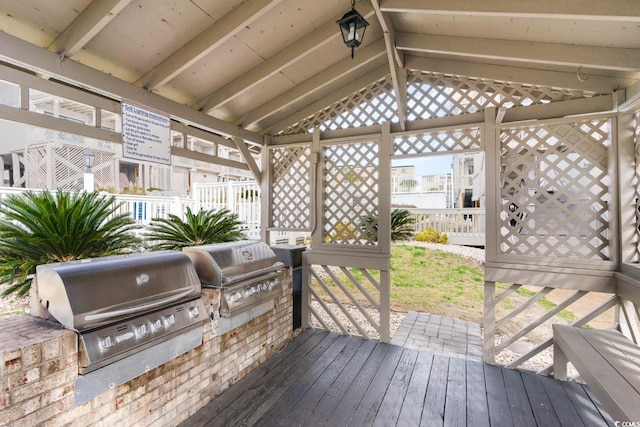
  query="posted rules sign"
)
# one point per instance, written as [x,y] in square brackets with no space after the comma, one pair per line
[146,135]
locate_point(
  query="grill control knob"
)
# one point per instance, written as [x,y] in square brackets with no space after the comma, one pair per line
[276,282]
[237,296]
[157,325]
[106,342]
[170,319]
[194,311]
[142,330]
[254,290]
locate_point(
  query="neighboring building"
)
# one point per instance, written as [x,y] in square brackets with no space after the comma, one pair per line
[468,182]
[36,157]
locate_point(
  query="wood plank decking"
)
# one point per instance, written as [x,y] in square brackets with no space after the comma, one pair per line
[322,378]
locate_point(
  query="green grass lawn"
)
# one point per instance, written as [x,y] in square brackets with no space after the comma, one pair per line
[428,280]
[435,282]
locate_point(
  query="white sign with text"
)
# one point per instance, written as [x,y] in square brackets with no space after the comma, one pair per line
[146,135]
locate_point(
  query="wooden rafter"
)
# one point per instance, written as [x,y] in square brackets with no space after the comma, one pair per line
[569,80]
[206,42]
[307,45]
[396,63]
[606,58]
[342,70]
[89,23]
[624,10]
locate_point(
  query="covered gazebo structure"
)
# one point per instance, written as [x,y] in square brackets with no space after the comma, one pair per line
[549,91]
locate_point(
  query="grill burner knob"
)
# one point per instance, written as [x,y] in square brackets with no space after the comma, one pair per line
[170,319]
[194,311]
[157,325]
[237,296]
[106,342]
[142,330]
[276,282]
[253,290]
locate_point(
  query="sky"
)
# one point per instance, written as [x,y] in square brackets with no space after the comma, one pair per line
[431,165]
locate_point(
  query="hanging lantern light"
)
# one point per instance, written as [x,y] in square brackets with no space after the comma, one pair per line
[352,26]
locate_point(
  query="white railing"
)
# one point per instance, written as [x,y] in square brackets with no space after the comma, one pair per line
[242,198]
[464,226]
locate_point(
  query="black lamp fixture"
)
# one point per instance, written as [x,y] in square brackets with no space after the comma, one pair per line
[352,26]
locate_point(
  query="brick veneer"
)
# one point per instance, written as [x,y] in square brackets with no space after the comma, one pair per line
[38,368]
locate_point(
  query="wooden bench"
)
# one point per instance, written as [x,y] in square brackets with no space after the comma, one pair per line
[607,361]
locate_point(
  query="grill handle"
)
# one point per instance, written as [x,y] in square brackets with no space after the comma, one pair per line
[273,269]
[137,308]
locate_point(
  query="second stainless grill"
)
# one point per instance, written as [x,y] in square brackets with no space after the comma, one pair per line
[248,273]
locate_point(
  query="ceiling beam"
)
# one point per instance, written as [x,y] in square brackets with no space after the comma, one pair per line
[591,83]
[210,39]
[605,58]
[90,22]
[335,96]
[396,62]
[30,57]
[617,10]
[366,56]
[290,54]
[248,158]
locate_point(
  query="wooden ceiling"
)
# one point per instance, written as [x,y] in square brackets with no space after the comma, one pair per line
[253,63]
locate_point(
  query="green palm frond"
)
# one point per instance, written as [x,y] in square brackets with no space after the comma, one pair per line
[202,228]
[40,228]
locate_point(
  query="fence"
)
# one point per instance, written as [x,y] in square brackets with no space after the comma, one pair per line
[465,226]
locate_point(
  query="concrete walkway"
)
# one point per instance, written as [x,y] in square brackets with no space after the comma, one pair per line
[440,335]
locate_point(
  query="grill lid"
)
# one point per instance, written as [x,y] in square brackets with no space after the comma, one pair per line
[222,264]
[89,293]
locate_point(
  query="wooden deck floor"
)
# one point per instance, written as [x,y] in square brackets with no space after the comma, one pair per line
[322,378]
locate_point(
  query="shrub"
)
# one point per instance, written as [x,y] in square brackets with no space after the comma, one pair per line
[431,235]
[402,222]
[202,228]
[41,228]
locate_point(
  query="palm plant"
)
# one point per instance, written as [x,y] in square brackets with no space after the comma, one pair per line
[40,228]
[202,228]
[402,222]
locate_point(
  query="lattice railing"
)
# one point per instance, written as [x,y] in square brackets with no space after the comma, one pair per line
[555,190]
[345,300]
[291,187]
[432,95]
[521,335]
[636,183]
[372,105]
[351,186]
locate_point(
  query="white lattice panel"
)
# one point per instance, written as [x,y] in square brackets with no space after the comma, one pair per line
[449,141]
[351,186]
[291,187]
[431,95]
[57,165]
[636,142]
[36,161]
[555,190]
[370,106]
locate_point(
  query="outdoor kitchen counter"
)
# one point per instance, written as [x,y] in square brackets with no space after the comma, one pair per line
[39,368]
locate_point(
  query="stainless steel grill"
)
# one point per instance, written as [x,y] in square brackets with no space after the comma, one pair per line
[248,273]
[122,305]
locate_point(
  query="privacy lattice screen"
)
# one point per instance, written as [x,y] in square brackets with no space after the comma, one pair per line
[431,95]
[351,187]
[291,187]
[370,106]
[555,190]
[449,141]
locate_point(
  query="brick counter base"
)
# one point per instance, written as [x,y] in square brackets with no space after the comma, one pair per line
[39,366]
